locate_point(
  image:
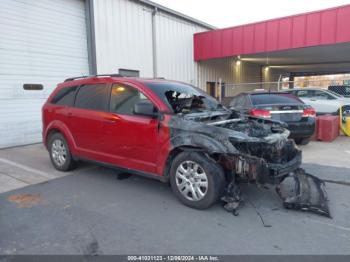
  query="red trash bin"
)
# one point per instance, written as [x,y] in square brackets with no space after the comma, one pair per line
[314,137]
[328,128]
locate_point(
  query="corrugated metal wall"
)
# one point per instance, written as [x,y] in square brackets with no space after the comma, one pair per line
[123,32]
[175,48]
[42,42]
[231,73]
[213,70]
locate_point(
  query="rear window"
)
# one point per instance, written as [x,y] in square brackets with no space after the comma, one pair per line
[274,99]
[65,96]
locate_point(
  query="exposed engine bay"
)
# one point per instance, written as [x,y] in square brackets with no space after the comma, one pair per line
[271,159]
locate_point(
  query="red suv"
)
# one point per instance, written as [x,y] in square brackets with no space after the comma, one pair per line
[173,132]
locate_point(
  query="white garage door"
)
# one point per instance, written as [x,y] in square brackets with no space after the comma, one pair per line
[41,42]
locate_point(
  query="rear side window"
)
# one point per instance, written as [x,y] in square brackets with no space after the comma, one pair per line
[65,96]
[274,99]
[94,97]
[123,99]
[303,93]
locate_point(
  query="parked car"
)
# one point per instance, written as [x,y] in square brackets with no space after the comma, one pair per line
[175,133]
[282,107]
[323,101]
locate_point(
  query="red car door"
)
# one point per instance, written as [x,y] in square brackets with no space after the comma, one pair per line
[85,119]
[131,141]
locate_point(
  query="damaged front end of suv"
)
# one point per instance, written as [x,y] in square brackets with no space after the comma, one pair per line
[252,150]
[269,157]
[249,149]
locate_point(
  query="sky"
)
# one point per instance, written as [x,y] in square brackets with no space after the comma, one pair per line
[226,13]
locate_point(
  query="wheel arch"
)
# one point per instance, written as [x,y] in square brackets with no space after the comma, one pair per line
[59,127]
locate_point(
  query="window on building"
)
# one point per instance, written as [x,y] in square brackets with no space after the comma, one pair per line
[33,87]
[93,97]
[123,99]
[65,96]
[129,72]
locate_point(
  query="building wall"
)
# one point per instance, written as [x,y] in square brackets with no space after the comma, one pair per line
[123,35]
[214,70]
[174,43]
[238,76]
[271,77]
[123,32]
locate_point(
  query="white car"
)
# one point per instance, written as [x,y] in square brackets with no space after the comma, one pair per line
[323,101]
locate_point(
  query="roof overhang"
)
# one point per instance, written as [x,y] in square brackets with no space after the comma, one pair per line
[324,59]
[176,14]
[316,37]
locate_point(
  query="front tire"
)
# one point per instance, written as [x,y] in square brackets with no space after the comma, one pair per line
[197,181]
[60,155]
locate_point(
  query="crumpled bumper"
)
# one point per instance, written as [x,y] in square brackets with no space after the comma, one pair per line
[308,193]
[303,192]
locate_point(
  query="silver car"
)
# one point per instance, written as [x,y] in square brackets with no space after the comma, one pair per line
[323,101]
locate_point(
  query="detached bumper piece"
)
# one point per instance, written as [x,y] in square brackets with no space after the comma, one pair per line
[308,193]
[298,190]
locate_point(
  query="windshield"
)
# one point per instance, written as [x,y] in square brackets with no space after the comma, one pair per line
[183,98]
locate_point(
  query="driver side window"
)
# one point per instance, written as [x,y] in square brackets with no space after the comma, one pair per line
[123,99]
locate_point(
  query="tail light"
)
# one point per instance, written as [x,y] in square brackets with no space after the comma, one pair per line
[260,113]
[309,112]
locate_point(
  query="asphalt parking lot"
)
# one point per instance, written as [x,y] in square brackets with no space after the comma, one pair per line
[90,211]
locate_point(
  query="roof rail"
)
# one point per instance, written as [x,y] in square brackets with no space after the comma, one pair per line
[78,77]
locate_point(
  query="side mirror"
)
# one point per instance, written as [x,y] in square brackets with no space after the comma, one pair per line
[145,108]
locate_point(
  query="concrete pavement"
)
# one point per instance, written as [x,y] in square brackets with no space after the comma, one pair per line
[89,211]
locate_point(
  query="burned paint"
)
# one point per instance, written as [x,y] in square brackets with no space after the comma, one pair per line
[249,149]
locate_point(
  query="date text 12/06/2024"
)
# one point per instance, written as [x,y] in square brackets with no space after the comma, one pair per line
[173,258]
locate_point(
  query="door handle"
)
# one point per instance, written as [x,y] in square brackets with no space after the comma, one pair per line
[69,114]
[111,119]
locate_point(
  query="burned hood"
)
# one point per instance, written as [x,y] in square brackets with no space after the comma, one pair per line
[222,128]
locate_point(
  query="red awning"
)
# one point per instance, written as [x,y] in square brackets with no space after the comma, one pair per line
[325,27]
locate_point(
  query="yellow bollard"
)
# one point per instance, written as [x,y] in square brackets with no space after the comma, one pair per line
[345,128]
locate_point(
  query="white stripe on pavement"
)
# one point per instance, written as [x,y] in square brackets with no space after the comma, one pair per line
[330,224]
[347,152]
[26,168]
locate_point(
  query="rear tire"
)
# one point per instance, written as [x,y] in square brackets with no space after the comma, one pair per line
[302,141]
[60,155]
[197,181]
